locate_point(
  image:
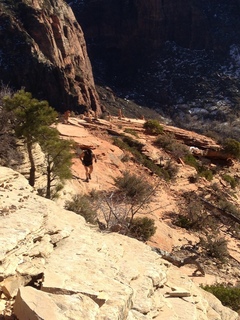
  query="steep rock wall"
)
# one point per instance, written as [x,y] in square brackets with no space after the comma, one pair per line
[148,24]
[129,30]
[42,48]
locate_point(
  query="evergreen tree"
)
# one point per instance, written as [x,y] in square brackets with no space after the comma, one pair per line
[31,115]
[58,157]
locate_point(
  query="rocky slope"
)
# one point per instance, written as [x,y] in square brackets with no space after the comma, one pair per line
[43,50]
[82,273]
[58,267]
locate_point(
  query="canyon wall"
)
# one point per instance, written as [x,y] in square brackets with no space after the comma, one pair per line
[42,48]
[128,32]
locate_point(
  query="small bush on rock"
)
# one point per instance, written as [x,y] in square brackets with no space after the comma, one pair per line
[153,127]
[134,188]
[233,183]
[229,207]
[215,247]
[229,296]
[232,147]
[81,205]
[142,228]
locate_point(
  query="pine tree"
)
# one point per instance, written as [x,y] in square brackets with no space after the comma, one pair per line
[58,157]
[31,115]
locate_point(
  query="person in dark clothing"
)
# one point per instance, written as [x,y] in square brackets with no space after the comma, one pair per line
[87,157]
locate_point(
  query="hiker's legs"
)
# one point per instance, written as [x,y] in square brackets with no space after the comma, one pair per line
[86,172]
[90,170]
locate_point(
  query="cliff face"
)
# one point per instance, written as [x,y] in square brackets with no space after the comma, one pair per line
[128,31]
[168,55]
[43,49]
[147,25]
[147,22]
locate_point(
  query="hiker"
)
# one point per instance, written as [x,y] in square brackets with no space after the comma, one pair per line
[87,157]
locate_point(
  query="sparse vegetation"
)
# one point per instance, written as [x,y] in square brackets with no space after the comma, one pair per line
[228,295]
[82,205]
[167,172]
[120,207]
[153,127]
[170,144]
[142,228]
[232,147]
[193,215]
[131,131]
[184,222]
[233,183]
[191,161]
[216,247]
[206,173]
[229,207]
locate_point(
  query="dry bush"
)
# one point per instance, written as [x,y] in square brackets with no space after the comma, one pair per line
[82,205]
[215,246]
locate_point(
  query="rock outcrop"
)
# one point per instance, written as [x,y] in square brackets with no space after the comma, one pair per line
[62,268]
[43,49]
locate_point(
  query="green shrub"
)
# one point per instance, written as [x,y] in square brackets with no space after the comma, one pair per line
[192,213]
[153,127]
[191,161]
[171,169]
[153,167]
[125,158]
[142,228]
[164,141]
[170,144]
[229,207]
[230,180]
[207,174]
[131,131]
[81,204]
[229,296]
[132,143]
[126,143]
[183,222]
[232,147]
[120,144]
[134,187]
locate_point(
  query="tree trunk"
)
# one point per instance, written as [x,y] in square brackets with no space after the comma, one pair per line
[32,163]
[48,192]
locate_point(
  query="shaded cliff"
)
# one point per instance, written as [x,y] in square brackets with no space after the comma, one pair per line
[42,48]
[168,55]
[121,29]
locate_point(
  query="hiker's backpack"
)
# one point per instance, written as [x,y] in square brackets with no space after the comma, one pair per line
[88,155]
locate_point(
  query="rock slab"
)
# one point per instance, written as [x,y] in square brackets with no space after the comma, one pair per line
[78,272]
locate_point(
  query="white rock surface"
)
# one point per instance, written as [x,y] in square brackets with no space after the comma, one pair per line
[87,274]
